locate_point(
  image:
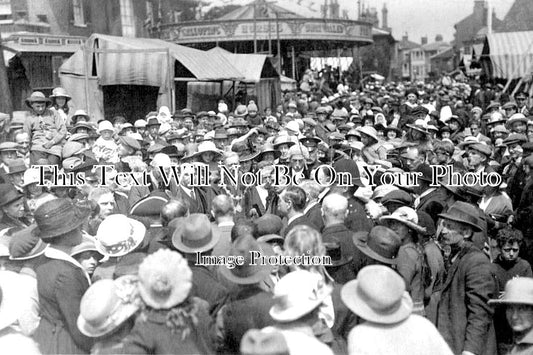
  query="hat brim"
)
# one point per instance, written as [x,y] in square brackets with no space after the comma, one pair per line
[11,200]
[139,231]
[30,101]
[413,226]
[120,314]
[260,155]
[417,128]
[178,243]
[297,311]
[363,247]
[475,227]
[503,301]
[351,298]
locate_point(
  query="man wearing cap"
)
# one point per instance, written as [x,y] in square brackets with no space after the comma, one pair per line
[464,317]
[12,207]
[521,101]
[478,158]
[46,128]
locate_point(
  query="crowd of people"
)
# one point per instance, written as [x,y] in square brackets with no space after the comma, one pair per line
[109,245]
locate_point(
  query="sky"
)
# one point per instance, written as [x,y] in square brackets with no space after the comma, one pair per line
[416,17]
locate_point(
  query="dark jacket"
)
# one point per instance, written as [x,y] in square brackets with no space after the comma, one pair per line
[302,220]
[339,232]
[315,216]
[206,286]
[357,219]
[60,285]
[152,335]
[464,317]
[245,308]
[433,204]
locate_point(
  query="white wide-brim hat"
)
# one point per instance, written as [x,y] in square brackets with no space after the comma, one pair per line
[118,235]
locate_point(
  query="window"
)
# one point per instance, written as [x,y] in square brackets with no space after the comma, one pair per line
[127,19]
[79,18]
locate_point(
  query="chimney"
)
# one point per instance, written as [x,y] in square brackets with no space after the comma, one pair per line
[384,15]
[424,40]
[438,38]
[405,37]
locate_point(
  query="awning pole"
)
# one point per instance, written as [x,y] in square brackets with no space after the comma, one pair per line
[171,99]
[86,78]
[293,63]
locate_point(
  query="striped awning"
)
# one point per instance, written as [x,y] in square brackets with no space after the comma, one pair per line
[145,61]
[511,53]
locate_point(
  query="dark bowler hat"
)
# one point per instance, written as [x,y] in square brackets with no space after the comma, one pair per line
[464,213]
[381,244]
[425,169]
[249,272]
[8,194]
[153,122]
[57,217]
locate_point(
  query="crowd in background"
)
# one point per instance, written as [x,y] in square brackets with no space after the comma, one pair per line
[97,262]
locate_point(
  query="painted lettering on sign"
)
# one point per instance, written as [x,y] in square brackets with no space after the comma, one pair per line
[201,31]
[323,28]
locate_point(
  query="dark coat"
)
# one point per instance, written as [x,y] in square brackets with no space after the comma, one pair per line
[245,308]
[357,219]
[206,286]
[315,216]
[197,205]
[151,335]
[345,320]
[302,220]
[60,285]
[433,204]
[464,317]
[341,273]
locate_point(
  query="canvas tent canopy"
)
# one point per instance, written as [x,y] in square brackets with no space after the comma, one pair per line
[260,81]
[110,60]
[510,54]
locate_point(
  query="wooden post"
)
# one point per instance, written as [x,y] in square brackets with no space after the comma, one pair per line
[6,104]
[172,98]
[86,79]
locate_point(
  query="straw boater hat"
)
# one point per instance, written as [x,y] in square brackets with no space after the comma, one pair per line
[283,139]
[464,213]
[248,272]
[118,235]
[518,290]
[297,294]
[378,295]
[60,92]
[106,305]
[195,235]
[381,244]
[38,96]
[165,279]
[407,216]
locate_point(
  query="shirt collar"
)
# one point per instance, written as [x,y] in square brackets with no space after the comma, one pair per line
[294,217]
[527,339]
[228,223]
[427,192]
[309,206]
